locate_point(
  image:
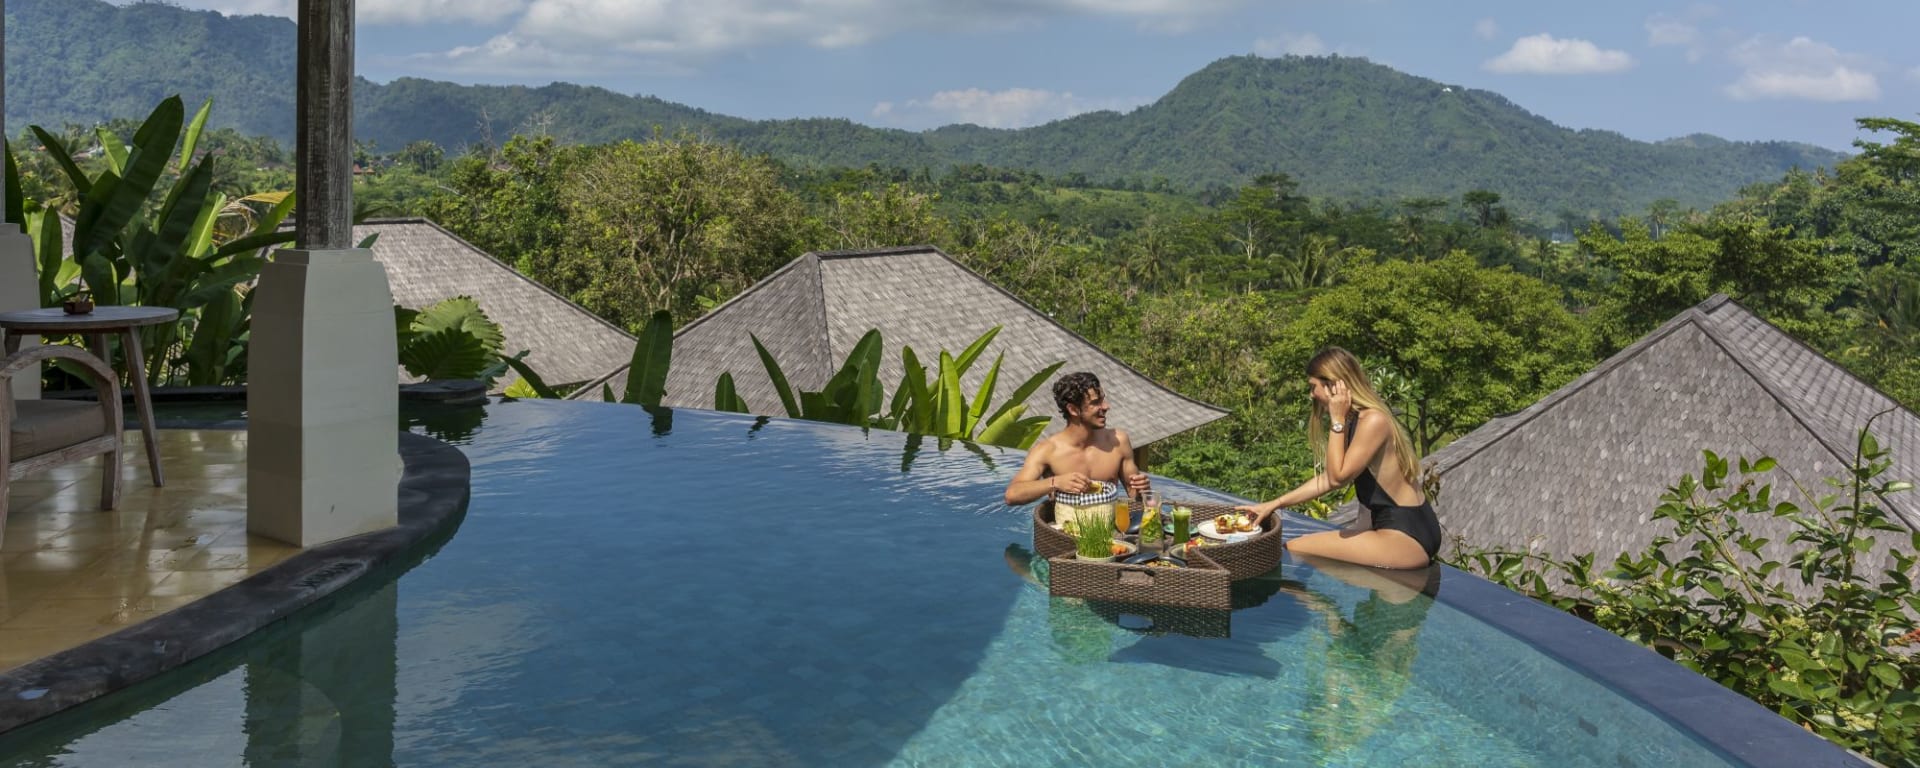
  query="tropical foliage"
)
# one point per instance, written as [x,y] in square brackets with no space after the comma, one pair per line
[1707,596]
[936,407]
[1345,127]
[452,339]
[193,249]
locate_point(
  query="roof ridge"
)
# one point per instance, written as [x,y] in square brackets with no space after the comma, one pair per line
[1507,424]
[860,253]
[509,269]
[1793,406]
[1768,386]
[982,279]
[694,323]
[1818,354]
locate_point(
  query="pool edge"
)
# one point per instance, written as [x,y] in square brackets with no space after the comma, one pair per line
[434,490]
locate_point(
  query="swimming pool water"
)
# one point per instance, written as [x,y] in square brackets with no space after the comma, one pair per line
[691,588]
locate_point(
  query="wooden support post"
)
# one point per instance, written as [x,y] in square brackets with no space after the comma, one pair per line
[323,456]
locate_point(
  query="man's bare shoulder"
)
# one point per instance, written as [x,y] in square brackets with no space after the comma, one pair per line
[1044,447]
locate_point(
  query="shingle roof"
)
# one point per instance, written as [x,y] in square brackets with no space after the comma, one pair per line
[812,311]
[425,264]
[1583,469]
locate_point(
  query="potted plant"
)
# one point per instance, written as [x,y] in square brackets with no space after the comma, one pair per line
[1093,539]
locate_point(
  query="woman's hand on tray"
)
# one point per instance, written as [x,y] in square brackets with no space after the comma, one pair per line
[1258,512]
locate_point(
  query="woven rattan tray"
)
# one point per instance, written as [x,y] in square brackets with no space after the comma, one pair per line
[1200,584]
[1242,559]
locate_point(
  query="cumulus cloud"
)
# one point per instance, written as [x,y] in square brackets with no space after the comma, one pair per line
[1486,29]
[1802,69]
[1010,108]
[235,7]
[702,26]
[1544,54]
[1308,44]
[509,56]
[1665,30]
[1682,30]
[435,11]
[375,11]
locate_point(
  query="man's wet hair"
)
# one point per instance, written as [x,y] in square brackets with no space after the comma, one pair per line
[1072,389]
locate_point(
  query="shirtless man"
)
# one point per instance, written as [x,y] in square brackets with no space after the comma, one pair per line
[1084,452]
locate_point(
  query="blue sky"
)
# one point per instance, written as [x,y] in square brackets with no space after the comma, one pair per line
[1760,69]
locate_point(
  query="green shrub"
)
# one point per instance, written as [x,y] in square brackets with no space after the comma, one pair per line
[1709,597]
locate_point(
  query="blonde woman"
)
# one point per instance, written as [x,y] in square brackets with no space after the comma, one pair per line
[1357,439]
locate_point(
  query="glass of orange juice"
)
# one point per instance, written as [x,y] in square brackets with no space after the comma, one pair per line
[1121,515]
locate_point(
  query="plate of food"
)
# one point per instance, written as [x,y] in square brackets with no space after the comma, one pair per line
[1232,526]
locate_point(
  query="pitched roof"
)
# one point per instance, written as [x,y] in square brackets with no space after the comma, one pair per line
[426,264]
[812,311]
[1583,469]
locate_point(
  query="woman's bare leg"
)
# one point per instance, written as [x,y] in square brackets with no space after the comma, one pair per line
[1380,549]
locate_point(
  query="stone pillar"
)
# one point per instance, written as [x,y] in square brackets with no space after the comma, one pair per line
[323,385]
[19,289]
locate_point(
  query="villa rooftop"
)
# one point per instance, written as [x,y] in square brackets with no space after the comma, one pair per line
[1583,469]
[812,311]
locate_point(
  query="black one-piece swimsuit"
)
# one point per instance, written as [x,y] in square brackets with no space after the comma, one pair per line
[1418,522]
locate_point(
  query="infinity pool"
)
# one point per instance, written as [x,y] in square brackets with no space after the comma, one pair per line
[691,588]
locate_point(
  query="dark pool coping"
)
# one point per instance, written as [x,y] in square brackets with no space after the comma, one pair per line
[1713,713]
[1710,712]
[433,493]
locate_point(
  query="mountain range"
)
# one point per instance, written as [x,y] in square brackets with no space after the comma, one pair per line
[1343,127]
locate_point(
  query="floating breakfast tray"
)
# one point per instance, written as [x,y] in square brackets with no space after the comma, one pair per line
[1200,583]
[1243,559]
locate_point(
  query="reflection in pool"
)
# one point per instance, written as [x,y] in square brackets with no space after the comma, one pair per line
[732,590]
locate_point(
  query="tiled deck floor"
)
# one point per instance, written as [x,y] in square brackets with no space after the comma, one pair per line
[73,573]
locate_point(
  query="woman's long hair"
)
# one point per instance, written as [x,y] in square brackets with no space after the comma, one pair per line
[1340,365]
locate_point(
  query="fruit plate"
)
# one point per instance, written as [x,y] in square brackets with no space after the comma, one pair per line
[1208,529]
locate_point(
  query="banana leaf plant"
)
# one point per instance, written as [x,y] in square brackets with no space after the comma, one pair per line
[852,395]
[939,408]
[127,250]
[452,339]
[647,371]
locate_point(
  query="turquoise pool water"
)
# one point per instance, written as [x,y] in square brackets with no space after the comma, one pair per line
[692,588]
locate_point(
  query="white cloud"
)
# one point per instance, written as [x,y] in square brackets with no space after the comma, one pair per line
[374,12]
[1665,30]
[1544,54]
[234,7]
[435,11]
[1486,29]
[706,26]
[1802,69]
[1683,29]
[506,55]
[1010,108]
[1913,74]
[1308,44]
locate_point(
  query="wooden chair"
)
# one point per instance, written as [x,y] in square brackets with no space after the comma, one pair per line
[41,434]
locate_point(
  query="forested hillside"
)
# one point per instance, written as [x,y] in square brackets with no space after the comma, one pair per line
[1342,127]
